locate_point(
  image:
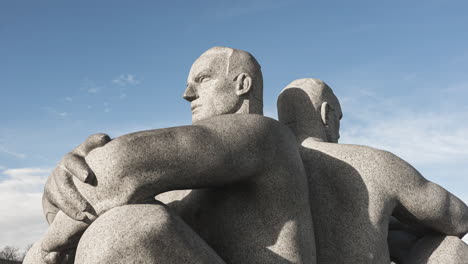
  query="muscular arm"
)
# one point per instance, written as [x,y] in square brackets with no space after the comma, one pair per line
[213,153]
[424,202]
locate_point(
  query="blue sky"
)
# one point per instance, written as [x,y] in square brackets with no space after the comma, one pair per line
[73,68]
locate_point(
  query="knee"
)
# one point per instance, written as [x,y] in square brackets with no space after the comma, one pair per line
[121,230]
[439,249]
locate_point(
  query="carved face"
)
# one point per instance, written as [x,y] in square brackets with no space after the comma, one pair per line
[210,88]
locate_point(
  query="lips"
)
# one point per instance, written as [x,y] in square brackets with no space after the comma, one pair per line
[193,107]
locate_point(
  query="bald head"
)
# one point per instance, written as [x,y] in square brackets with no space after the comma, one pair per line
[237,61]
[310,108]
[224,81]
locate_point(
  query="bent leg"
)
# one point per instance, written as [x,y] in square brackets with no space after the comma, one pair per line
[35,255]
[142,233]
[62,235]
[434,249]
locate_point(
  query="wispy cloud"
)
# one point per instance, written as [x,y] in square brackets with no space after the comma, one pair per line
[22,221]
[419,137]
[126,79]
[3,149]
[91,86]
[57,113]
[457,88]
[107,108]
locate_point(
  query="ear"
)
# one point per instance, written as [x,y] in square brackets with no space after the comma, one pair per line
[324,109]
[244,84]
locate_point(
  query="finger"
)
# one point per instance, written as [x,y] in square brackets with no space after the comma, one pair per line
[63,234]
[75,162]
[92,142]
[50,210]
[76,166]
[70,194]
[69,204]
[51,257]
[52,202]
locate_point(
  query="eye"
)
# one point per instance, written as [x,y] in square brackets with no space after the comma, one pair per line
[203,79]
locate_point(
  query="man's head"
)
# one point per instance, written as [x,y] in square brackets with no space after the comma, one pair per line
[310,108]
[224,81]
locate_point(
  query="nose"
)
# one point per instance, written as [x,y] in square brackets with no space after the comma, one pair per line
[189,93]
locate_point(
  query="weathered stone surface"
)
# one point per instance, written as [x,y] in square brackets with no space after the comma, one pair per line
[251,200]
[355,189]
[34,255]
[438,249]
[237,187]
[143,233]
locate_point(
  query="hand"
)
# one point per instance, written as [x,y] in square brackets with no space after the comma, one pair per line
[60,193]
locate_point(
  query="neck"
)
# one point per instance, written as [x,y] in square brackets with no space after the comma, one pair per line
[250,106]
[308,129]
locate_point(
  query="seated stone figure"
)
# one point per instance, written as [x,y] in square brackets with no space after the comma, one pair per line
[354,190]
[250,198]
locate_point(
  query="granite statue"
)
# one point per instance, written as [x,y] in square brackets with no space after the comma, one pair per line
[355,190]
[237,187]
[249,199]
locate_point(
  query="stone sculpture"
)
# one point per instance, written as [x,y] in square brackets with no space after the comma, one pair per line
[251,199]
[234,186]
[355,189]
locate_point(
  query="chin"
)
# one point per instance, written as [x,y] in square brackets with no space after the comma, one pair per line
[198,117]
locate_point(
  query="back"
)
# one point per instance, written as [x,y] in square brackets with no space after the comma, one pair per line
[349,202]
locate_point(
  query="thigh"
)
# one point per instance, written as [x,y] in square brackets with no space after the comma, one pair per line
[142,233]
[435,249]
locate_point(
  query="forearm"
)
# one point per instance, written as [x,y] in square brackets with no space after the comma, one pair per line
[438,209]
[217,153]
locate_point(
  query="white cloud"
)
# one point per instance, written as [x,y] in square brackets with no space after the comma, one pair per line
[107,108]
[21,221]
[93,90]
[418,136]
[126,79]
[90,86]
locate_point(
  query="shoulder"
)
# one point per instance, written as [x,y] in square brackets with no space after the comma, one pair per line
[368,159]
[240,119]
[251,124]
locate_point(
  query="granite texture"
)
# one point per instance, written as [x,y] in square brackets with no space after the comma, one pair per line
[354,190]
[237,187]
[142,233]
[249,202]
[438,249]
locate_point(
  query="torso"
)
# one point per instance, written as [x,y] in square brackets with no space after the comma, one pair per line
[349,203]
[262,221]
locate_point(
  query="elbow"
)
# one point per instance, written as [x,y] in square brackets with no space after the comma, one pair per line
[459,217]
[109,162]
[463,227]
